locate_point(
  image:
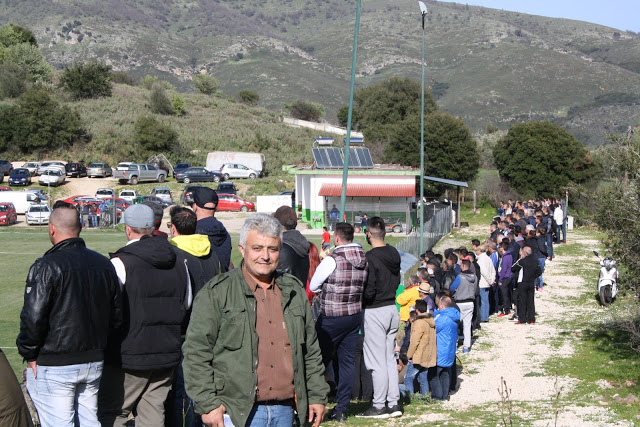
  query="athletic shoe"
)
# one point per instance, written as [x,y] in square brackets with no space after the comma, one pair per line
[520,323]
[502,315]
[376,413]
[514,318]
[395,411]
[531,323]
[337,416]
[466,350]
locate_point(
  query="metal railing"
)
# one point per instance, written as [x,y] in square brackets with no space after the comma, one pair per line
[435,228]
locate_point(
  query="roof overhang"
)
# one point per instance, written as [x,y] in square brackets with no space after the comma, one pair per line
[369,190]
[446,181]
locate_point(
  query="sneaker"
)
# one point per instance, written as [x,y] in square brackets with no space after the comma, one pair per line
[373,412]
[502,315]
[520,323]
[466,350]
[395,411]
[514,318]
[532,322]
[337,416]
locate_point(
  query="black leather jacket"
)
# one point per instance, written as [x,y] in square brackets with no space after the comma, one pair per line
[71,301]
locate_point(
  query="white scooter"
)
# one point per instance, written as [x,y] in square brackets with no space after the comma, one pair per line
[607,280]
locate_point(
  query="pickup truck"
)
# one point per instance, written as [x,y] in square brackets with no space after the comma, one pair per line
[133,173]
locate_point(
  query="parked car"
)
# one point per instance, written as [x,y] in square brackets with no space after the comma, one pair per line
[5,167]
[128,195]
[102,170]
[196,174]
[4,188]
[232,202]
[226,188]
[180,167]
[75,170]
[38,214]
[21,200]
[285,193]
[163,193]
[8,214]
[51,164]
[32,166]
[156,200]
[235,170]
[74,200]
[20,176]
[135,173]
[121,204]
[102,193]
[52,177]
[187,194]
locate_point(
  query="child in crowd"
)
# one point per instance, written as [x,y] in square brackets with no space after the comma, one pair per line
[422,348]
[446,318]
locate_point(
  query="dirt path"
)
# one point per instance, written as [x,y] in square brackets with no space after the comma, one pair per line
[517,352]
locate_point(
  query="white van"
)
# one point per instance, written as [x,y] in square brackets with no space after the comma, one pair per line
[20,199]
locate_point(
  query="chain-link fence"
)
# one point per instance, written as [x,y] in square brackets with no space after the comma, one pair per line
[437,225]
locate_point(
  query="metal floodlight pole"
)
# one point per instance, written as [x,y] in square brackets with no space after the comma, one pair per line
[423,11]
[345,168]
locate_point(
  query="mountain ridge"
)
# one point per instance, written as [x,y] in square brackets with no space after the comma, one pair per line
[497,67]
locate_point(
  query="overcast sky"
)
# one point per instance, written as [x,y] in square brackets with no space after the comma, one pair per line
[620,14]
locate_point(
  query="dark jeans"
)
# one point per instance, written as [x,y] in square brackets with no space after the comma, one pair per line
[440,382]
[362,383]
[505,291]
[339,335]
[497,300]
[179,406]
[526,303]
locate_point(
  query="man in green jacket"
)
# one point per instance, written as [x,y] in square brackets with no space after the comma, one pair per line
[251,349]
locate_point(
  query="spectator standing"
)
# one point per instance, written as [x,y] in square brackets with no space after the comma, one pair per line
[294,253]
[487,278]
[445,318]
[527,269]
[203,265]
[381,322]
[71,301]
[141,360]
[558,219]
[341,277]
[93,215]
[205,203]
[334,217]
[464,288]
[251,349]
[326,239]
[13,408]
[422,349]
[504,278]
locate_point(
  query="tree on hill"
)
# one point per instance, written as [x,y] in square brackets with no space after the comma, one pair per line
[248,97]
[153,136]
[205,84]
[305,110]
[37,122]
[540,158]
[29,58]
[90,80]
[14,34]
[450,151]
[12,80]
[160,102]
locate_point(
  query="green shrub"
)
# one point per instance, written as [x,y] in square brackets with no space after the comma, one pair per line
[248,97]
[90,80]
[123,78]
[305,110]
[148,81]
[160,102]
[153,136]
[12,80]
[178,105]
[205,83]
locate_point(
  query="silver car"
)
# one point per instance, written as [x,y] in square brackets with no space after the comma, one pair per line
[163,193]
[38,215]
[235,170]
[51,177]
[99,169]
[32,166]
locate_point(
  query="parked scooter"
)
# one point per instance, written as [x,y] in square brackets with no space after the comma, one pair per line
[607,280]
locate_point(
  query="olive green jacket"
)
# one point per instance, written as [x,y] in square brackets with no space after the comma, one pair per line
[221,348]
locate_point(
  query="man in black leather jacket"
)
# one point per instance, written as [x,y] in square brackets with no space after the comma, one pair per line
[294,254]
[72,299]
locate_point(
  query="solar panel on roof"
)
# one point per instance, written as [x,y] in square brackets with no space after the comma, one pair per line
[320,156]
[354,161]
[365,158]
[335,159]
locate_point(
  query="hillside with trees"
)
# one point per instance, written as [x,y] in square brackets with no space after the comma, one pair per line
[484,65]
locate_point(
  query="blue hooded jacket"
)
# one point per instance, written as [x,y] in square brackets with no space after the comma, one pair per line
[446,335]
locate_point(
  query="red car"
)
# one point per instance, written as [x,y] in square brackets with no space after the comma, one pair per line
[8,214]
[74,200]
[231,202]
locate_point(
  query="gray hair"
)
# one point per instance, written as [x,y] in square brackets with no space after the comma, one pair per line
[413,279]
[263,224]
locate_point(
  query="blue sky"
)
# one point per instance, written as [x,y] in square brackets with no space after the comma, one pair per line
[620,14]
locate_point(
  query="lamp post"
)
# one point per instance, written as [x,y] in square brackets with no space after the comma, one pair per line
[423,11]
[345,168]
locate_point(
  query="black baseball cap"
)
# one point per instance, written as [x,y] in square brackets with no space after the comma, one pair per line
[204,195]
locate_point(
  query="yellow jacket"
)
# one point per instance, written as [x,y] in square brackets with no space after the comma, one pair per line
[423,341]
[406,300]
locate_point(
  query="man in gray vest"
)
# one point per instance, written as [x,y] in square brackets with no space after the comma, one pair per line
[141,359]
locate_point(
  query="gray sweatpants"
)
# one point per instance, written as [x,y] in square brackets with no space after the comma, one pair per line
[466,314]
[380,329]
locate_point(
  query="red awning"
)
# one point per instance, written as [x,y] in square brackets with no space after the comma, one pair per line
[369,190]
